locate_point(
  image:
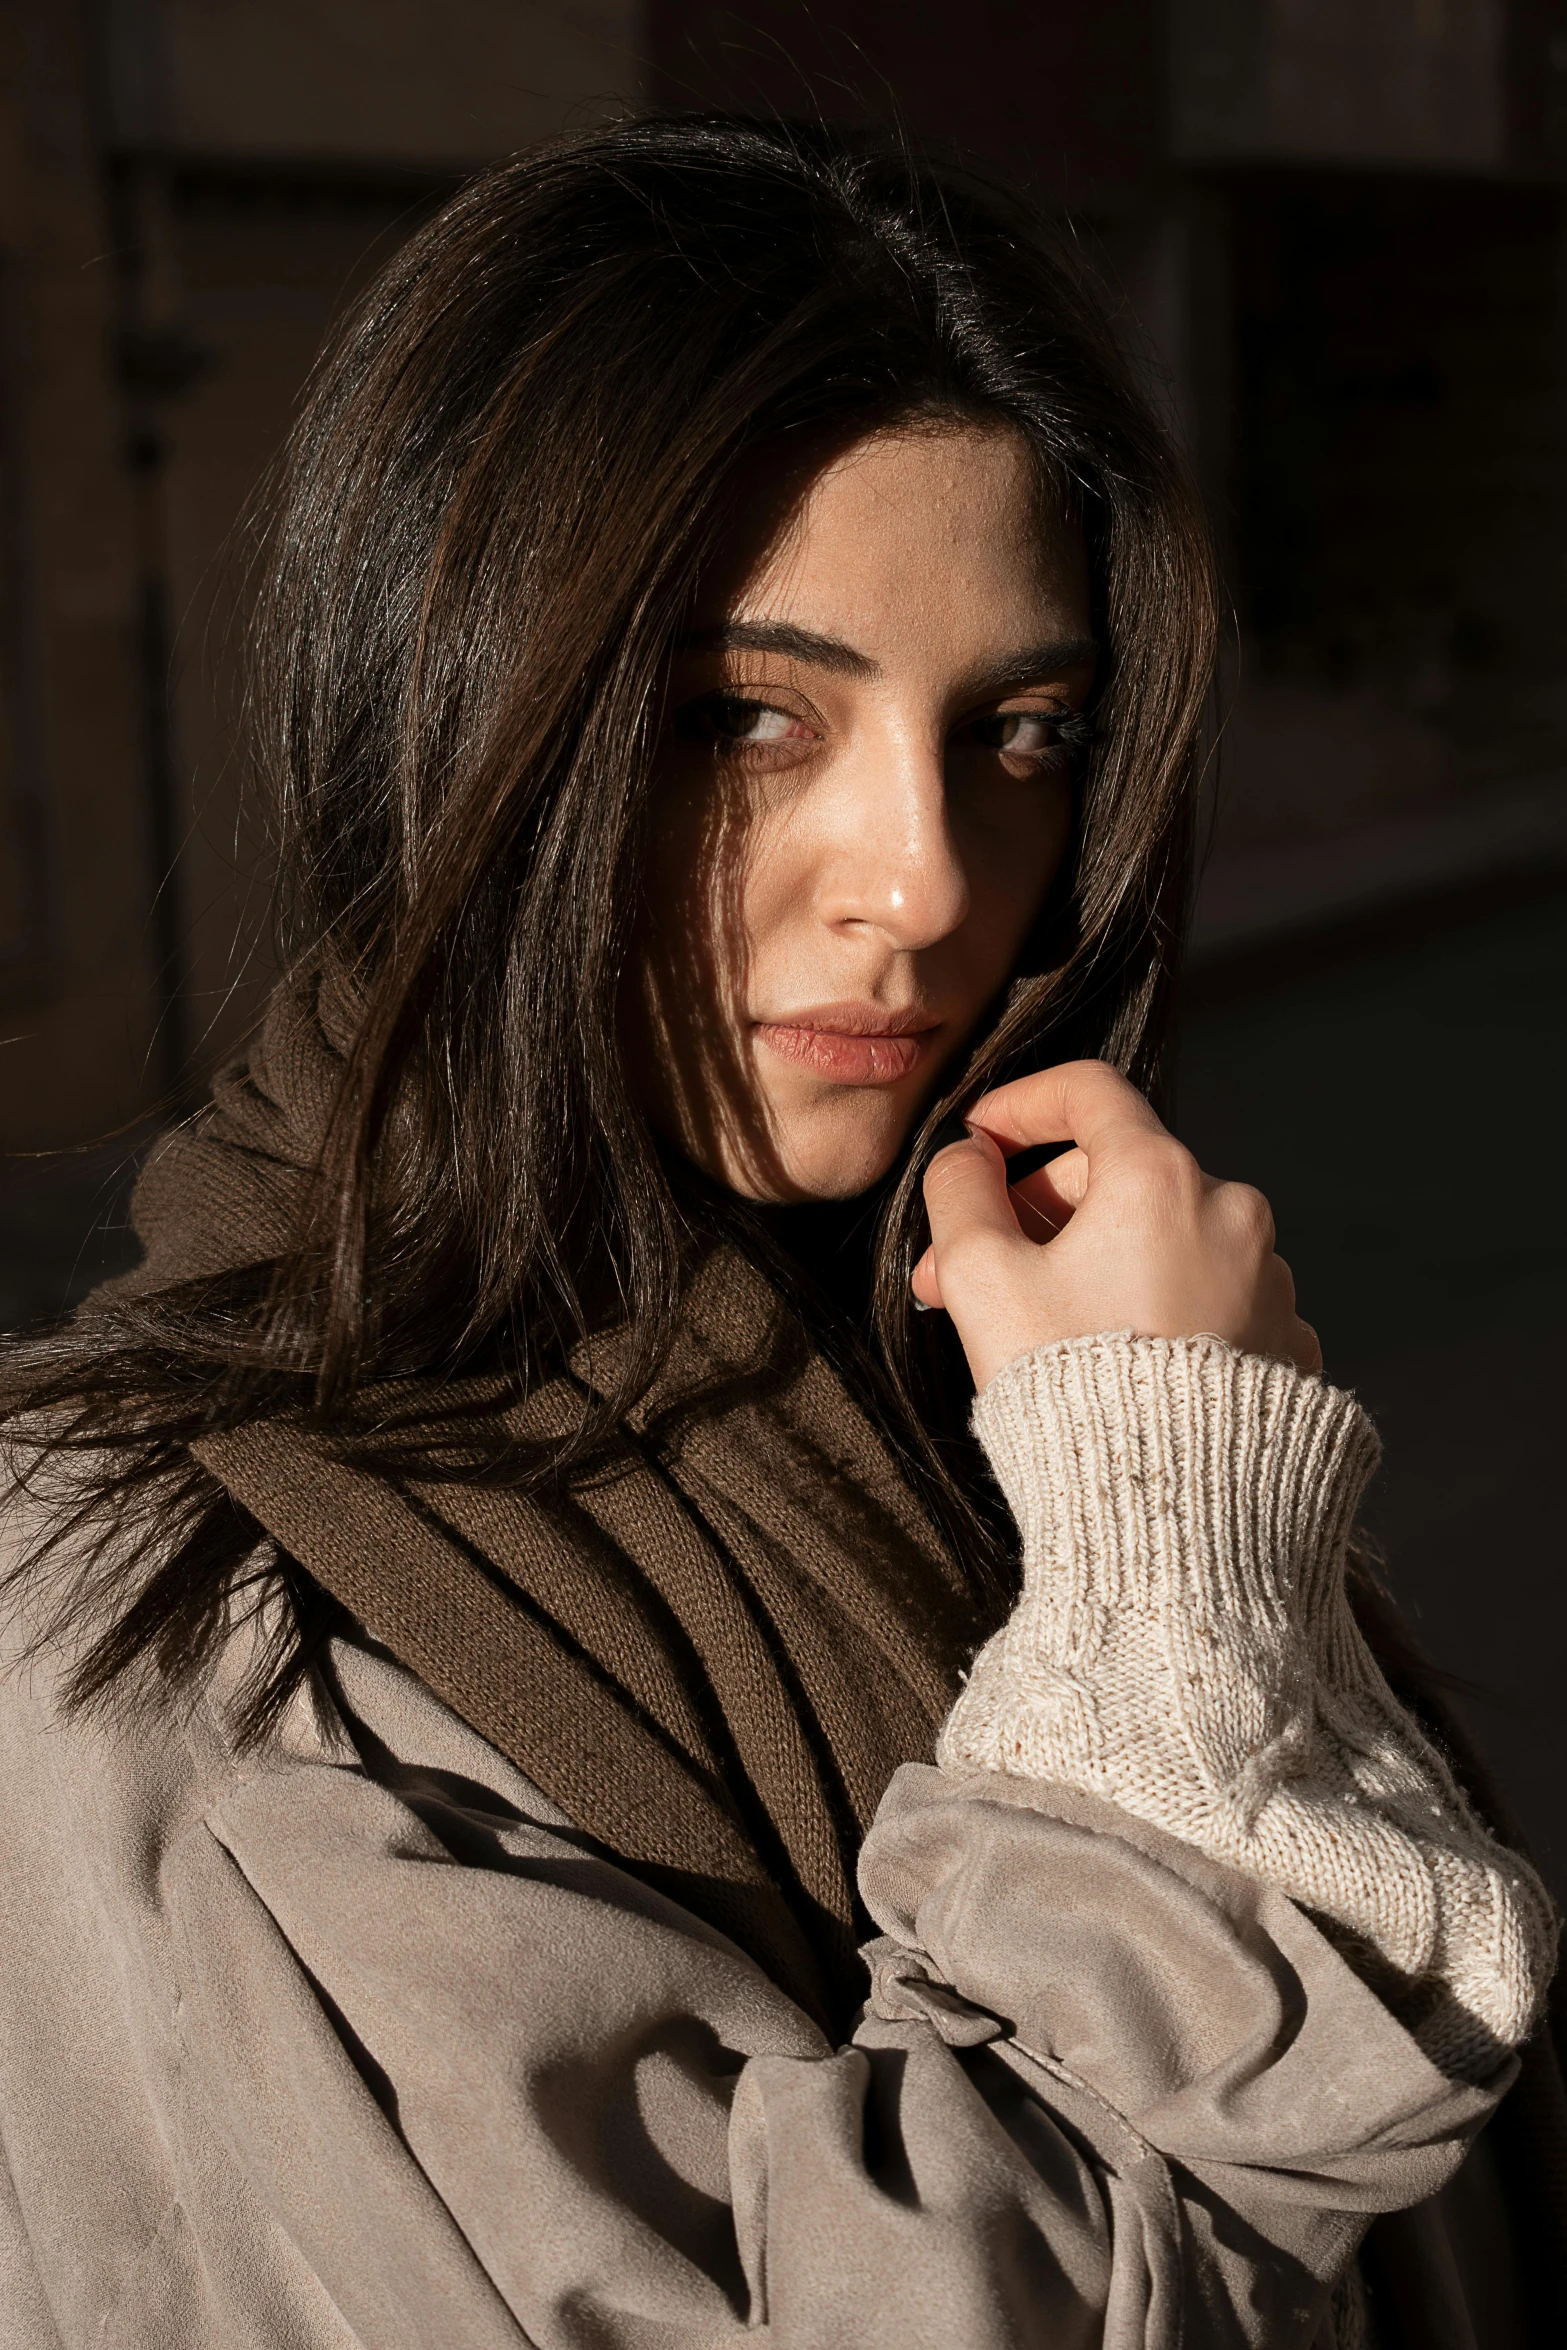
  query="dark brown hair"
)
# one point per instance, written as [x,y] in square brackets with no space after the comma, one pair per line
[486,531]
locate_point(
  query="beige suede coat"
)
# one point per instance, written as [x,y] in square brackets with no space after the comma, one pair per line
[353,2040]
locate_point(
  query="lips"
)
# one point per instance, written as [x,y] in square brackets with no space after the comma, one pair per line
[852,1044]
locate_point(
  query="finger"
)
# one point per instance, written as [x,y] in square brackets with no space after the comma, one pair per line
[1048,1196]
[925,1284]
[1036,1221]
[1086,1102]
[966,1195]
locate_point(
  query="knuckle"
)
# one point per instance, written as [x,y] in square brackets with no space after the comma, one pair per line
[1104,1079]
[1167,1169]
[1249,1213]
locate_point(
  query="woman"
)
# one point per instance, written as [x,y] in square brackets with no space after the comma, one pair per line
[503,1848]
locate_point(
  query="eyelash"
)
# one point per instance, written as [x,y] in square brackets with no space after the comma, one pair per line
[1073,731]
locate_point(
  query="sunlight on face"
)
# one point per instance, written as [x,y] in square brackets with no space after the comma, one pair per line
[862,802]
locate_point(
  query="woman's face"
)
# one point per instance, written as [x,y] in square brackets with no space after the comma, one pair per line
[860,808]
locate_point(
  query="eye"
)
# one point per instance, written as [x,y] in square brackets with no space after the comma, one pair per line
[1021,731]
[733,720]
[1031,735]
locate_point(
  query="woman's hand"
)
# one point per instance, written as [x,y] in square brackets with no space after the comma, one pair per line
[1124,1232]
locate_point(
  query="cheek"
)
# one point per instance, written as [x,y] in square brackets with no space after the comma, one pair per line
[696,867]
[1012,852]
[727,880]
[772,888]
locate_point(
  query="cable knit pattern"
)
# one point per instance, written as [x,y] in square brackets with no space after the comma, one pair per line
[1184,1646]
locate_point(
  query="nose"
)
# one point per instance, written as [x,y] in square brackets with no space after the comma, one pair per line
[891,863]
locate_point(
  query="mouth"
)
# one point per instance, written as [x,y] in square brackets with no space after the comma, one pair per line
[852,1044]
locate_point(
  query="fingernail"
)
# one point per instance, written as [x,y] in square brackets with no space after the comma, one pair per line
[920,1307]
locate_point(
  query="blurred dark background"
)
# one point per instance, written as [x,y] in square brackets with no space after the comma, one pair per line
[1335,237]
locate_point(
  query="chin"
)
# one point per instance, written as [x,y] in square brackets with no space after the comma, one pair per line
[840,1150]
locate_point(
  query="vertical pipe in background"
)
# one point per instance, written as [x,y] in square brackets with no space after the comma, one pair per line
[158,360]
[29,947]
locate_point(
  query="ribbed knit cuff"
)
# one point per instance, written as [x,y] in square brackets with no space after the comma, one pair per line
[1158,1473]
[1184,1647]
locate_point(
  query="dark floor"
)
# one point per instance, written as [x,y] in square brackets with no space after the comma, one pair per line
[1406,1112]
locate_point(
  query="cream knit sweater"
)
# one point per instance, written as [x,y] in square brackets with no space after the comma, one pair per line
[1184,1647]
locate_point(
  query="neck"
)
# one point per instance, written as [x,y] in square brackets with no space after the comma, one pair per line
[833,1243]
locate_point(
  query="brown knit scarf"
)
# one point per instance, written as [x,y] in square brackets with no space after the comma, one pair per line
[712,1649]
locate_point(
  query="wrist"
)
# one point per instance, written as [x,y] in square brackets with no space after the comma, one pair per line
[1160,1472]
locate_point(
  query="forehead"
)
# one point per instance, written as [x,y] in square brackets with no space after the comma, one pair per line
[952,520]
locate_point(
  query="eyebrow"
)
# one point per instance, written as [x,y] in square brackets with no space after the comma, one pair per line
[1010,671]
[1004,674]
[778,636]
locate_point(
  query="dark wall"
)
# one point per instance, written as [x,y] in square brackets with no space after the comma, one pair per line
[1062,95]
[1400,458]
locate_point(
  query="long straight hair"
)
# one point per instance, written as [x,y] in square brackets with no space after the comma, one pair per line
[484,537]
